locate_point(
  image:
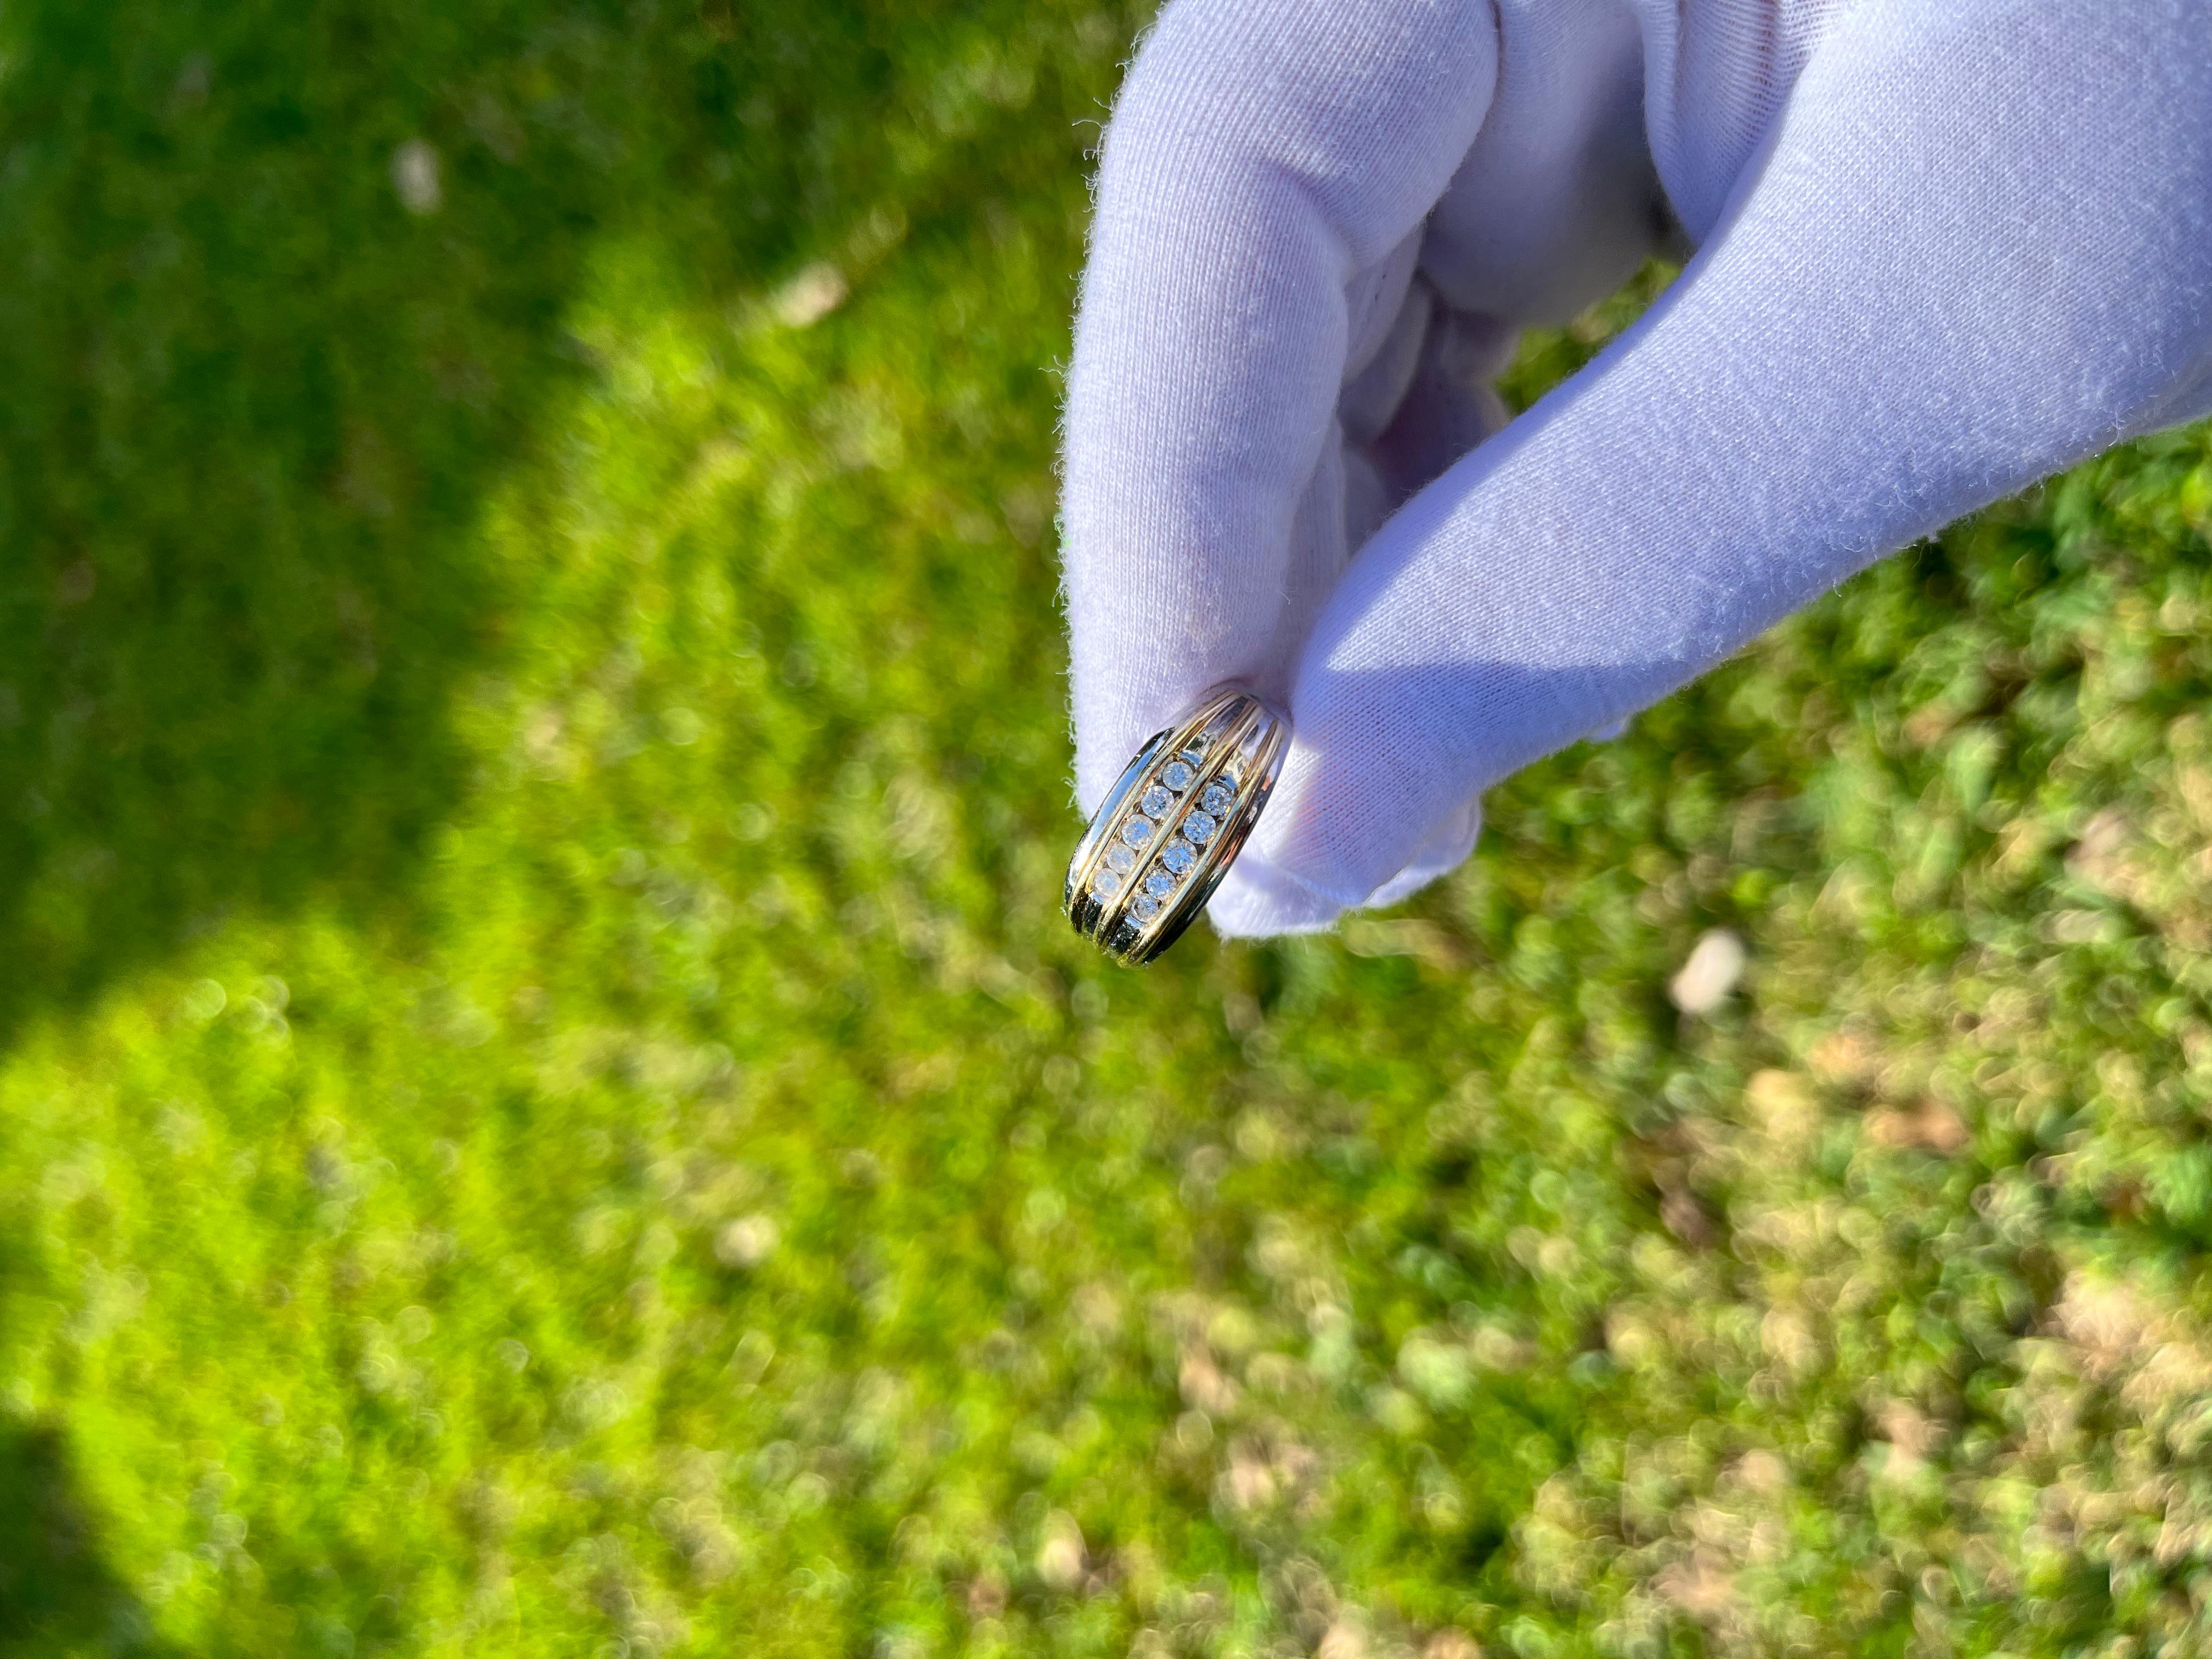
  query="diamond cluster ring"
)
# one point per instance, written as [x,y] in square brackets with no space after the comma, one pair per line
[1173,825]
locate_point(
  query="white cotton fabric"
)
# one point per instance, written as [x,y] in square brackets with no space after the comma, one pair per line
[1945,247]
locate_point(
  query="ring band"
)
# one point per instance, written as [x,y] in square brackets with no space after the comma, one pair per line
[1173,825]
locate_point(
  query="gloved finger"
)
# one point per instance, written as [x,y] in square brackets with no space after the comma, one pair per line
[1449,404]
[1434,409]
[1425,399]
[1371,395]
[1556,202]
[1259,200]
[1927,298]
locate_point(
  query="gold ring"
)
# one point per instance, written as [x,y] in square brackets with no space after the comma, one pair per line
[1173,825]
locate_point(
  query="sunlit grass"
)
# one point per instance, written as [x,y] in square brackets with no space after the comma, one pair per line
[673,1184]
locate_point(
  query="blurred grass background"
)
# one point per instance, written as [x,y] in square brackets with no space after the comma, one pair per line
[545,1107]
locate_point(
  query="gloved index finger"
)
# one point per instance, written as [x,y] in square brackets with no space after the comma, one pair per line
[1265,156]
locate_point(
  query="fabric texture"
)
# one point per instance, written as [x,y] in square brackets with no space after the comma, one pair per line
[1944,248]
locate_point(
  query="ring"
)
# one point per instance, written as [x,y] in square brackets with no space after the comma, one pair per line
[1174,824]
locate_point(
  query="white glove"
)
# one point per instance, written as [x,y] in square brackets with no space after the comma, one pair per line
[1947,247]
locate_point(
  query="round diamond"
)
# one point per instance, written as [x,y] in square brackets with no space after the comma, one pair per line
[1199,827]
[1138,832]
[1121,858]
[1180,856]
[1106,883]
[1144,906]
[1159,884]
[1156,802]
[1176,775]
[1217,797]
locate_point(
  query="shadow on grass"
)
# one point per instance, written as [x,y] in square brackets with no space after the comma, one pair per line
[57,1594]
[283,293]
[282,290]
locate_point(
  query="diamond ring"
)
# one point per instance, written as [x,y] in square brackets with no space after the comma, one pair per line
[1173,825]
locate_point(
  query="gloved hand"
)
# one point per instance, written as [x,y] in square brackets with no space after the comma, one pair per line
[1946,247]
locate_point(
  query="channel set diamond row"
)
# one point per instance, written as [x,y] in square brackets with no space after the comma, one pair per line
[1153,821]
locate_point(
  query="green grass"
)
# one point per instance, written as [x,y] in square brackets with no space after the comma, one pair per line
[544,1104]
